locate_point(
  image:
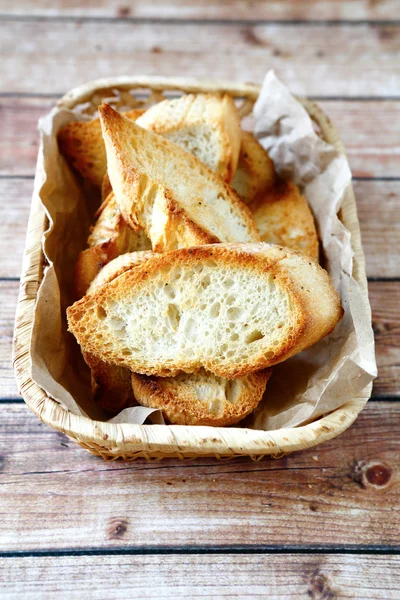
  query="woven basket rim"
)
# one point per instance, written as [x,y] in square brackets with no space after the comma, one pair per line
[128,440]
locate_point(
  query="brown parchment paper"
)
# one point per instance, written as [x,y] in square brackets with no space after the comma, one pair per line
[306,386]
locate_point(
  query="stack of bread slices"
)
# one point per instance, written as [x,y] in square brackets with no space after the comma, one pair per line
[201,271]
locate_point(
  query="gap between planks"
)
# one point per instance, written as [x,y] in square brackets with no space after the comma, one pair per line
[57,95]
[290,10]
[233,22]
[364,550]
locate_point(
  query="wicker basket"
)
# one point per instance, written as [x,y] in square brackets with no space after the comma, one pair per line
[128,441]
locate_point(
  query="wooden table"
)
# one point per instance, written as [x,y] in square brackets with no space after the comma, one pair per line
[318,524]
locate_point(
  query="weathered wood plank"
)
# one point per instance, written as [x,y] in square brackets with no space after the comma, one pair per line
[221,576]
[385,301]
[68,498]
[15,200]
[378,207]
[19,141]
[208,9]
[51,56]
[8,303]
[378,204]
[370,131]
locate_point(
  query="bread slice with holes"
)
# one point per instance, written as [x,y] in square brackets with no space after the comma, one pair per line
[232,309]
[81,142]
[201,398]
[283,217]
[110,237]
[111,384]
[176,199]
[187,399]
[206,125]
[255,172]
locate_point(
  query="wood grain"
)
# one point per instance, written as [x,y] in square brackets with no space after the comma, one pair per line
[15,201]
[385,302]
[52,56]
[378,204]
[228,576]
[208,9]
[8,303]
[68,498]
[370,131]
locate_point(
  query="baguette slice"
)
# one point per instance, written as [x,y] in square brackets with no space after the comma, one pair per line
[284,217]
[106,188]
[206,125]
[111,384]
[82,145]
[231,309]
[201,398]
[255,173]
[195,399]
[109,238]
[176,199]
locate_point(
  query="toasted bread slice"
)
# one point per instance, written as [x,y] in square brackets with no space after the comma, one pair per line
[195,399]
[176,199]
[109,238]
[111,385]
[207,125]
[82,145]
[201,398]
[106,188]
[255,172]
[231,309]
[284,217]
[119,265]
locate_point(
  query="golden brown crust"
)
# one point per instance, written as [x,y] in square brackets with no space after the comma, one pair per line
[106,188]
[111,385]
[82,144]
[315,306]
[255,172]
[89,264]
[109,237]
[284,217]
[119,265]
[156,207]
[201,399]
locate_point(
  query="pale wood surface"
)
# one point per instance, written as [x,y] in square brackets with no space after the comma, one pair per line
[318,577]
[54,497]
[52,55]
[209,9]
[321,496]
[370,131]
